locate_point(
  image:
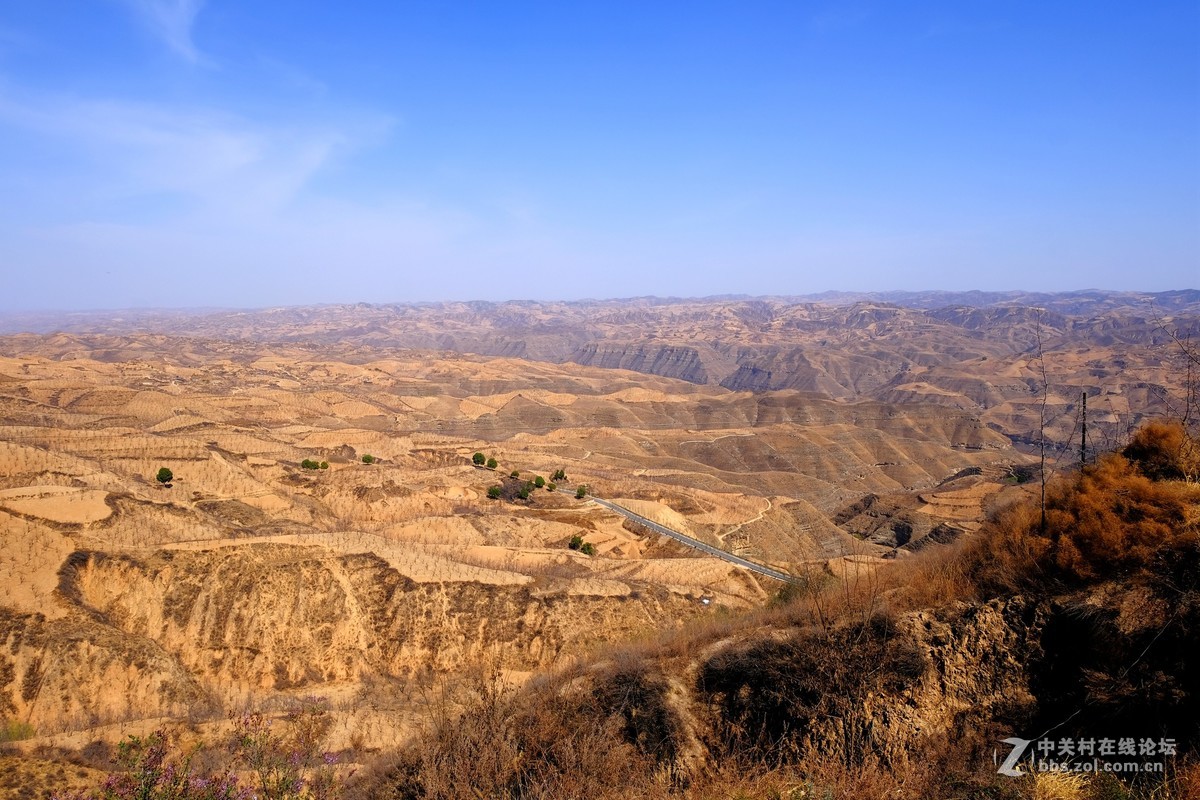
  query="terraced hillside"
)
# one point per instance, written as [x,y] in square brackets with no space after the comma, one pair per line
[821,440]
[971,351]
[252,577]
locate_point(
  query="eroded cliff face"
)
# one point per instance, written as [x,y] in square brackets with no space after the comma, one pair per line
[897,689]
[74,672]
[932,688]
[882,687]
[178,631]
[669,361]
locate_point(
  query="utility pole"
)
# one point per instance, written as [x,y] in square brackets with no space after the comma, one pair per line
[1083,435]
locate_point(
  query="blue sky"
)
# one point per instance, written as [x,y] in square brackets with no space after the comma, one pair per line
[183,153]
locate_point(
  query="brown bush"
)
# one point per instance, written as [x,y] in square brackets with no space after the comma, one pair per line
[771,695]
[545,742]
[637,695]
[1110,521]
[1163,450]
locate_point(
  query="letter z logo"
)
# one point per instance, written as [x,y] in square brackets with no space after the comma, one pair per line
[1009,767]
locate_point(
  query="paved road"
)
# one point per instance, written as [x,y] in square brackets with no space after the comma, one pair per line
[696,543]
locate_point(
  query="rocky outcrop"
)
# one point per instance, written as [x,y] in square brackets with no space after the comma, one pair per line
[78,672]
[944,683]
[669,361]
[884,687]
[180,631]
[891,689]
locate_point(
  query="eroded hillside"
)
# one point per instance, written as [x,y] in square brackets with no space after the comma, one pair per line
[252,577]
[897,683]
[824,441]
[972,351]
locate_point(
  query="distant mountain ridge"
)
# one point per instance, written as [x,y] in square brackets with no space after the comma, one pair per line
[972,351]
[1082,302]
[1074,302]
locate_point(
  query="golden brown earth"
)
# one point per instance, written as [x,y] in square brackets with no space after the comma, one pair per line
[251,579]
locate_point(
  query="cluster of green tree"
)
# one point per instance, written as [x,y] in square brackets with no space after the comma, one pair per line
[515,488]
[495,492]
[512,489]
[577,543]
[310,464]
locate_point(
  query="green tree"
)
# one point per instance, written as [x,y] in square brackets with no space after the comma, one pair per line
[368,458]
[492,464]
[164,475]
[559,475]
[479,459]
[539,481]
[494,492]
[514,474]
[581,492]
[577,543]
[323,465]
[551,486]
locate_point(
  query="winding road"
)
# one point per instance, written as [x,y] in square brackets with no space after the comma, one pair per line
[696,543]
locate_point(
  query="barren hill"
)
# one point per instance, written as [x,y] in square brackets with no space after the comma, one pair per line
[973,351]
[812,437]
[252,577]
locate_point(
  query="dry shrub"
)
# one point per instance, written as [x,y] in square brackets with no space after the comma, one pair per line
[1163,450]
[931,578]
[1120,548]
[815,779]
[1110,521]
[637,695]
[774,697]
[547,742]
[1182,784]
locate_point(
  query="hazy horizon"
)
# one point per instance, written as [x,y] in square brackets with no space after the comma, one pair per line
[190,154]
[832,297]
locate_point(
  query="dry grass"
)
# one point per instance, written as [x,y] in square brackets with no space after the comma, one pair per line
[1057,785]
[1112,520]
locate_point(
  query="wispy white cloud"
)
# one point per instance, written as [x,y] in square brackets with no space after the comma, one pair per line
[171,21]
[229,207]
[213,159]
